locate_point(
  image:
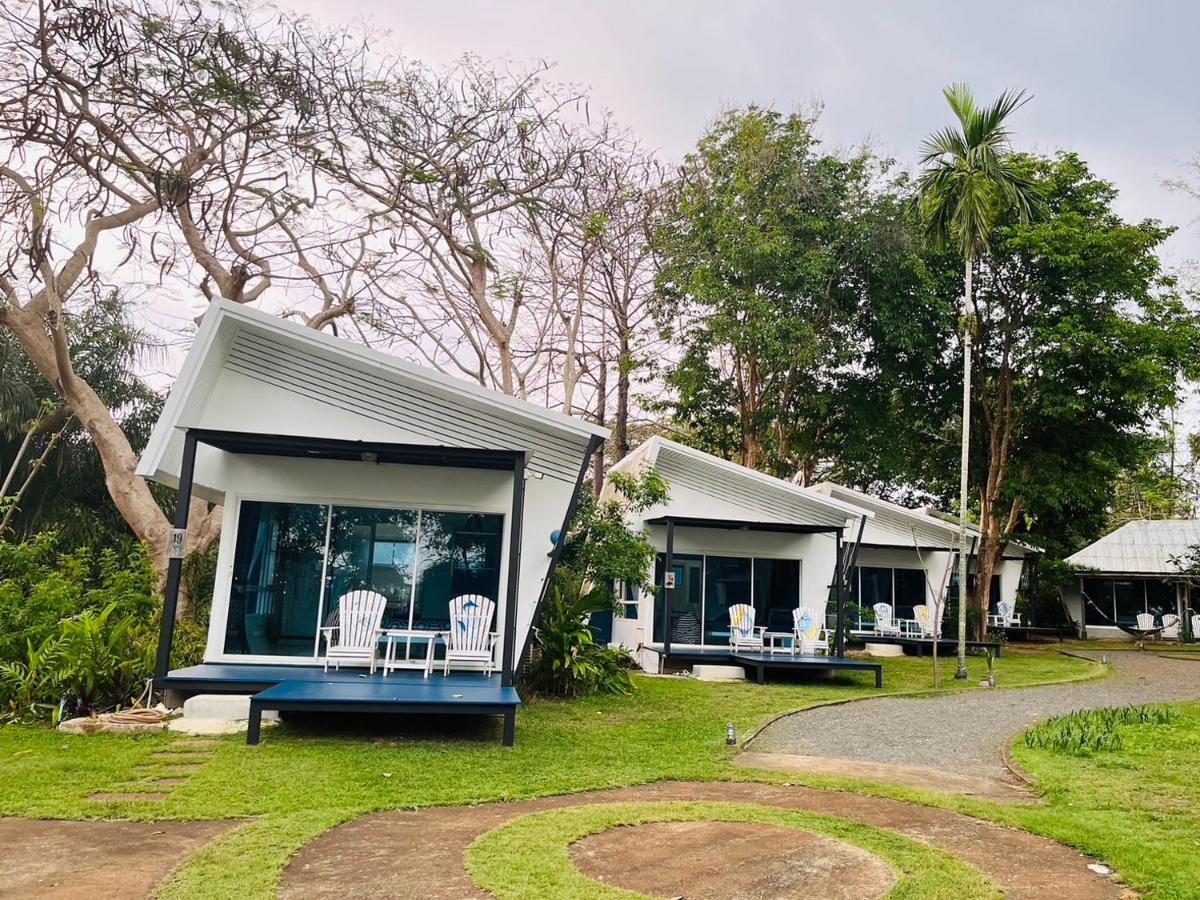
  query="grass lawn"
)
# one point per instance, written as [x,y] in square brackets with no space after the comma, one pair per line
[530,857]
[1137,807]
[300,782]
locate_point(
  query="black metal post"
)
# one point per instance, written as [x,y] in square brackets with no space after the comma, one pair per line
[514,570]
[668,592]
[183,501]
[556,550]
[839,598]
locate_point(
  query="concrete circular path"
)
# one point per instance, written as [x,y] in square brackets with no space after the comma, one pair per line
[963,734]
[420,853]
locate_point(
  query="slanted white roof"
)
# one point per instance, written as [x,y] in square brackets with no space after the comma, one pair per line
[899,526]
[1143,547]
[255,372]
[703,486]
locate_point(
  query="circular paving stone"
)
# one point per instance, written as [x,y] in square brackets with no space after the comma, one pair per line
[730,861]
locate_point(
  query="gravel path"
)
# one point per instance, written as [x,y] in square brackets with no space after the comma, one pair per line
[966,733]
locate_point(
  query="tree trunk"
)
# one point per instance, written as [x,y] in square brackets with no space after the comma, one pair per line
[963,594]
[598,457]
[128,490]
[621,415]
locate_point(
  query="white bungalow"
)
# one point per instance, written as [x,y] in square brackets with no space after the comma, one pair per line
[344,469]
[730,535]
[905,557]
[1132,572]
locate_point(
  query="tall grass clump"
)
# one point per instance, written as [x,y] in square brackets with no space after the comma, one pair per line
[1093,730]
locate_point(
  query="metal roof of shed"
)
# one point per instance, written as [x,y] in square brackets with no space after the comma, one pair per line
[1142,547]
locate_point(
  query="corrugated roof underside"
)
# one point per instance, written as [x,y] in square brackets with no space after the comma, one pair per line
[1140,547]
[770,503]
[444,419]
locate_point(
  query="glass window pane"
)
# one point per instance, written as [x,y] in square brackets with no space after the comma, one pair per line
[909,591]
[685,600]
[1099,611]
[776,592]
[458,553]
[726,584]
[1130,600]
[276,586]
[875,586]
[373,549]
[1161,598]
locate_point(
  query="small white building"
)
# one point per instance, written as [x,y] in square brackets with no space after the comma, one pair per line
[733,535]
[1130,571]
[343,469]
[905,557]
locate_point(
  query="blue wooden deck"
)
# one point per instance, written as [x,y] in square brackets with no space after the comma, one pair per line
[760,662]
[354,691]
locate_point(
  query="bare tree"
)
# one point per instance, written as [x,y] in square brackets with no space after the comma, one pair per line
[463,165]
[148,139]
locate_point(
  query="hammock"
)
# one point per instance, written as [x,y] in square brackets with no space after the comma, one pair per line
[1139,634]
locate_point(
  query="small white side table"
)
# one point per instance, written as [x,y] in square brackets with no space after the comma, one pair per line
[407,636]
[773,641]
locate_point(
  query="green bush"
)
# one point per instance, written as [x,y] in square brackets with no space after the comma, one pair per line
[41,585]
[567,660]
[1093,730]
[77,628]
[27,690]
[599,552]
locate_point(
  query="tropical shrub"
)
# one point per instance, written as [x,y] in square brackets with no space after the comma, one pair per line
[568,661]
[42,584]
[27,690]
[600,552]
[95,661]
[101,660]
[78,628]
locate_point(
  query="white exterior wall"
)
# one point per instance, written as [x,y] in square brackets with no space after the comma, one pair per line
[817,554]
[335,482]
[1009,571]
[239,403]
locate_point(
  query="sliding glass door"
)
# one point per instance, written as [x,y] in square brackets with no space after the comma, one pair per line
[707,586]
[275,595]
[372,549]
[418,559]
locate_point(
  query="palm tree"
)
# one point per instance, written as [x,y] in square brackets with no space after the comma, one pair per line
[966,182]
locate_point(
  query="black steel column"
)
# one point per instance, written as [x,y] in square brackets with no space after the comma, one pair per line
[839,597]
[176,551]
[514,570]
[668,592]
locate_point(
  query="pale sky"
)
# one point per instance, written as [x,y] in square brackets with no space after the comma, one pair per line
[1116,82]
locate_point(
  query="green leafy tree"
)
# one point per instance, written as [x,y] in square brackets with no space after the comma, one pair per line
[54,478]
[767,250]
[967,182]
[1081,344]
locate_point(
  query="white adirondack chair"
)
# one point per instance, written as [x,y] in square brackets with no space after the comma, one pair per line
[470,642]
[807,633]
[1145,622]
[1196,627]
[356,634]
[1005,616]
[885,624]
[923,616]
[1170,626]
[743,634]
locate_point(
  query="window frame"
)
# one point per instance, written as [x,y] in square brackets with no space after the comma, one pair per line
[219,618]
